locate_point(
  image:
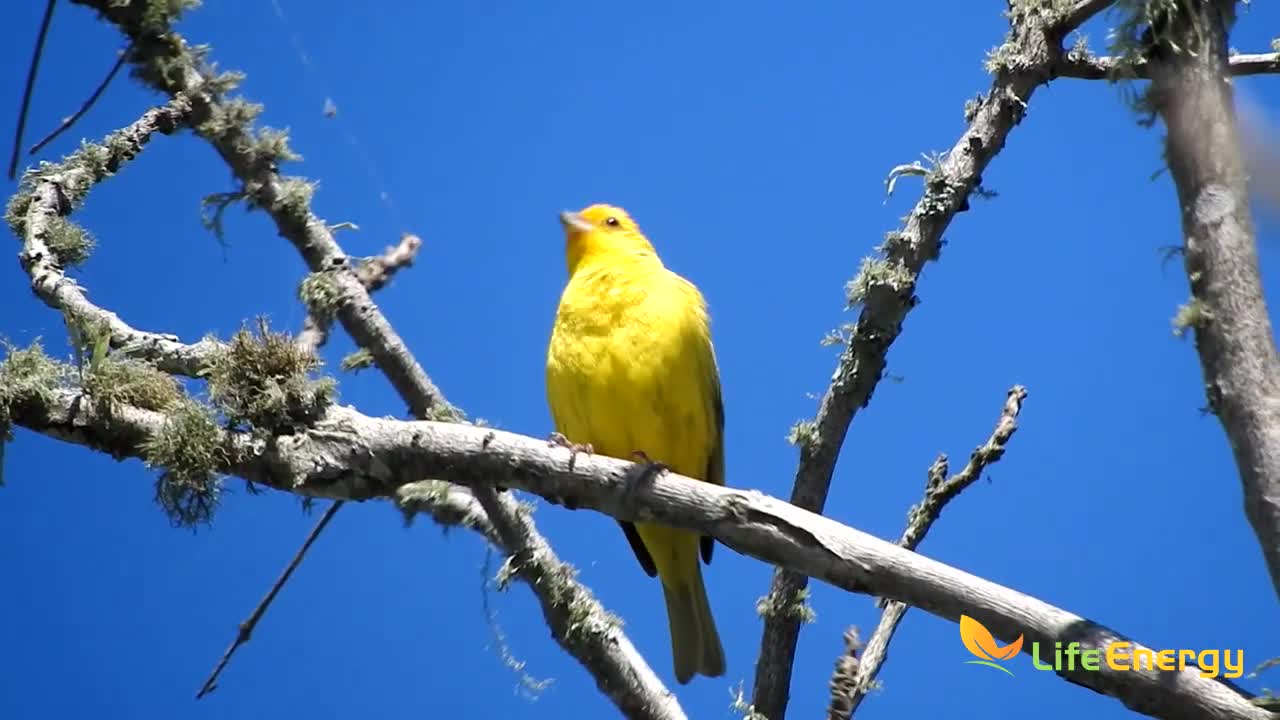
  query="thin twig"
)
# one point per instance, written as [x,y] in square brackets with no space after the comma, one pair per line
[1101,67]
[314,334]
[857,668]
[246,627]
[1081,13]
[373,273]
[31,86]
[84,108]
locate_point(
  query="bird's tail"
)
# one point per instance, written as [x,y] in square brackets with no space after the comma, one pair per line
[695,643]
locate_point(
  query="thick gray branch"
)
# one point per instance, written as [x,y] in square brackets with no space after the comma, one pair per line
[351,456]
[1233,332]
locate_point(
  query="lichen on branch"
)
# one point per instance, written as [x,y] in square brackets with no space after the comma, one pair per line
[264,381]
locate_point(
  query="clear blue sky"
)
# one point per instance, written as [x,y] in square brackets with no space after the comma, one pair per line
[750,142]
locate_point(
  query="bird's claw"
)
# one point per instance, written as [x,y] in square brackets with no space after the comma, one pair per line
[652,467]
[646,470]
[557,439]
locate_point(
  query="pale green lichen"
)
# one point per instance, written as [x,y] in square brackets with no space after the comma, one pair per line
[971,107]
[188,450]
[27,376]
[213,207]
[95,159]
[803,434]
[320,292]
[357,361]
[738,703]
[69,243]
[232,114]
[274,143]
[878,273]
[113,382]
[797,607]
[158,15]
[294,198]
[264,381]
[1192,314]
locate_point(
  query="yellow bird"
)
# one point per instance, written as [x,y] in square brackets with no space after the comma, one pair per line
[631,373]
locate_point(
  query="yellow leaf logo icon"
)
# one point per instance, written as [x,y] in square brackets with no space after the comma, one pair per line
[979,641]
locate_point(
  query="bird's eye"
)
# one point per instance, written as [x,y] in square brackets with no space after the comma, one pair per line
[611,221]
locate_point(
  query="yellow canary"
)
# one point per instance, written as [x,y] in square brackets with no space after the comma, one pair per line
[631,371]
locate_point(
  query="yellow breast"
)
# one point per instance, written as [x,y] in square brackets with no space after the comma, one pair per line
[630,367]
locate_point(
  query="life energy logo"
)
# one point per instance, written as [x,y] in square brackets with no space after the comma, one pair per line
[979,641]
[1119,656]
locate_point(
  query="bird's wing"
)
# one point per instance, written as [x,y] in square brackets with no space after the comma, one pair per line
[715,463]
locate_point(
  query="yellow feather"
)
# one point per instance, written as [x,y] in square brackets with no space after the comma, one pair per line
[631,368]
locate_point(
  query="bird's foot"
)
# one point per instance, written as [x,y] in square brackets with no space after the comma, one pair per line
[651,467]
[646,470]
[559,440]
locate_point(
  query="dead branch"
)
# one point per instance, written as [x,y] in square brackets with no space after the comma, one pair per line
[1090,67]
[860,665]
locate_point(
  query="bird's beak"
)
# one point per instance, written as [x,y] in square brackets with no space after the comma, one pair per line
[574,223]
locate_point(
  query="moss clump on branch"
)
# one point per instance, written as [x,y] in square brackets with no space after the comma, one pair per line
[188,450]
[27,375]
[319,291]
[294,198]
[878,273]
[264,381]
[69,243]
[798,607]
[803,434]
[1193,314]
[359,360]
[93,158]
[158,15]
[131,382]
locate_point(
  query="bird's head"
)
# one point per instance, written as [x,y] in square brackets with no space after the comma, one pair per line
[600,234]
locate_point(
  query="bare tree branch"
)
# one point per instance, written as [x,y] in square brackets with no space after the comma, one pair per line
[377,271]
[348,455]
[1081,13]
[49,192]
[1090,67]
[1233,334]
[886,289]
[857,669]
[609,657]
